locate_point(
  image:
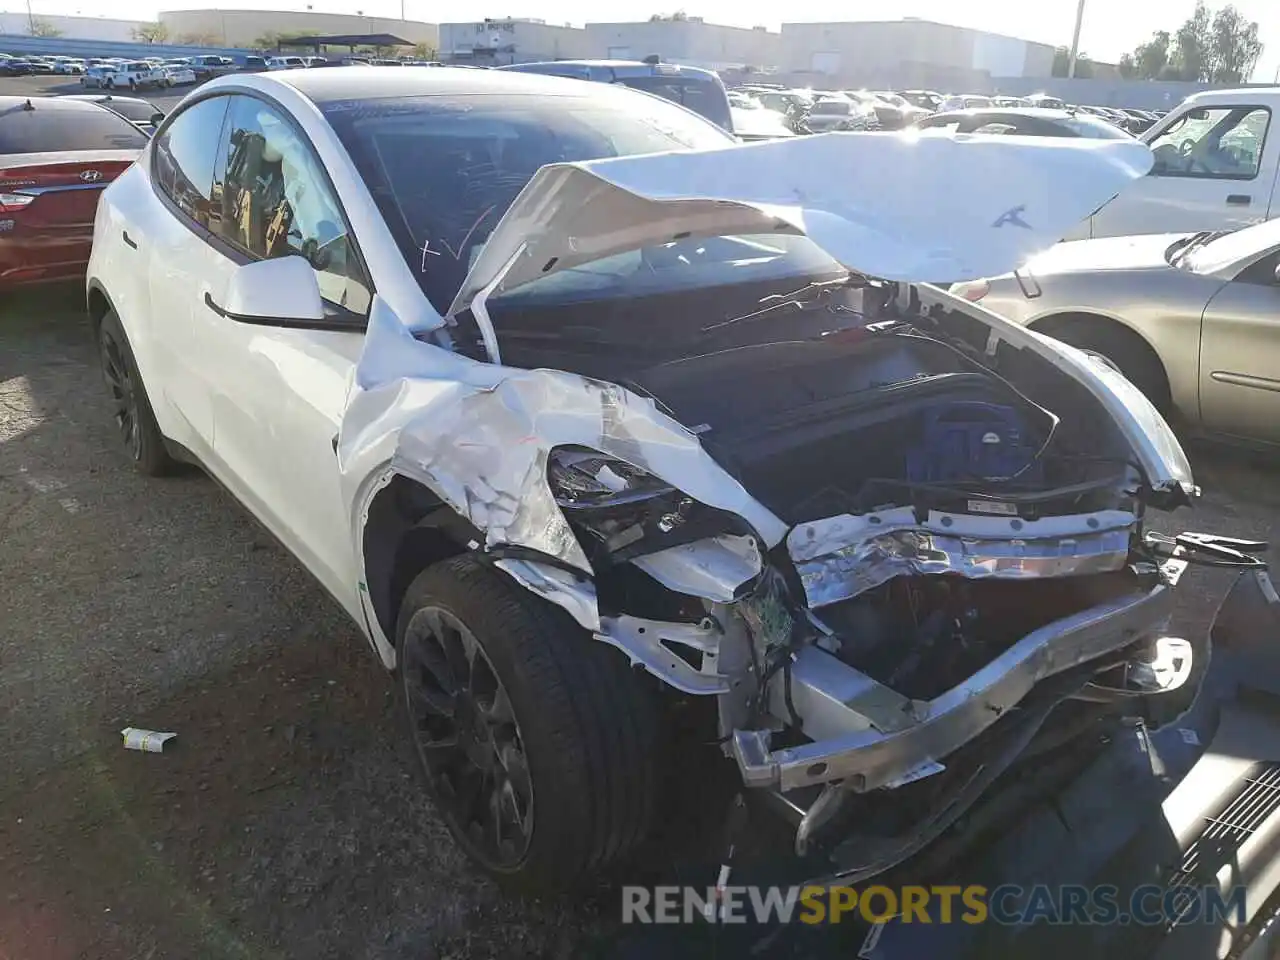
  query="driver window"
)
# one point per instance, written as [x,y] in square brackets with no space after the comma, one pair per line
[274,201]
[1221,143]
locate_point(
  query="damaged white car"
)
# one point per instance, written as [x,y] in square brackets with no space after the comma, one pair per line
[583,410]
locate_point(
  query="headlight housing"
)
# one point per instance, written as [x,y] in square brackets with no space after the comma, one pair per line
[619,511]
[581,477]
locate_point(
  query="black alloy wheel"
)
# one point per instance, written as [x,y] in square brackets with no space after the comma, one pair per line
[124,395]
[468,738]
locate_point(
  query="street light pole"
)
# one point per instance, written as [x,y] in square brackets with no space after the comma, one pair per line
[31,20]
[1075,40]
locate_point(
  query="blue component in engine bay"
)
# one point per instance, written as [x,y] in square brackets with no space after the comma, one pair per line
[971,440]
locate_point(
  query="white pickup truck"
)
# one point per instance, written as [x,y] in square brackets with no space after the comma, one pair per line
[1216,164]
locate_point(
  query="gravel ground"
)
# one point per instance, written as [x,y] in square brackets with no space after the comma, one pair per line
[283,821]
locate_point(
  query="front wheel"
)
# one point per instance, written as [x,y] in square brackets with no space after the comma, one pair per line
[537,741]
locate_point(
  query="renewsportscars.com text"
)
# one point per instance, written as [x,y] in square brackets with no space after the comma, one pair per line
[1149,905]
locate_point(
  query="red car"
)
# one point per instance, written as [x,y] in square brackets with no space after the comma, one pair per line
[55,157]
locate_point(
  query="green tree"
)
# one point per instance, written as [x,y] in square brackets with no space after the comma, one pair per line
[1152,57]
[267,41]
[151,32]
[1234,47]
[424,51]
[1127,66]
[1221,47]
[1062,63]
[43,28]
[1192,45]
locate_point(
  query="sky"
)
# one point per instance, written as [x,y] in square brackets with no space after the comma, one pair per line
[1111,27]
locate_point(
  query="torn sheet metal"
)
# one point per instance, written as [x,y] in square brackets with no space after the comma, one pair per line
[148,741]
[478,435]
[561,587]
[842,557]
[714,568]
[897,207]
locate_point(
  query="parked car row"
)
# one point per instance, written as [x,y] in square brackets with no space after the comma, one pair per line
[819,111]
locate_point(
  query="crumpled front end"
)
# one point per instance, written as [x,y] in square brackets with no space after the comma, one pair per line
[890,563]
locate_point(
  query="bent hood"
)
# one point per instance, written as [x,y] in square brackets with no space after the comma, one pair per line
[894,206]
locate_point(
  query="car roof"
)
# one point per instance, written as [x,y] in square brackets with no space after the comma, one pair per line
[8,103]
[368,83]
[101,98]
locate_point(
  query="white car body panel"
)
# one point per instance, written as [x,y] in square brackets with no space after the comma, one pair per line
[263,406]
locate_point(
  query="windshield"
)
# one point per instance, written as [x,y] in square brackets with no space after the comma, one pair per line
[443,170]
[832,106]
[1232,248]
[1084,125]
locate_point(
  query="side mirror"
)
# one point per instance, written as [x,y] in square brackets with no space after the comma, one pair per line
[157,118]
[1277,273]
[280,292]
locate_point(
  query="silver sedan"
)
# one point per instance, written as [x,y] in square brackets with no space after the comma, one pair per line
[1192,319]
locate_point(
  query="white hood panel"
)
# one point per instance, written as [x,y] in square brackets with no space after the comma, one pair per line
[905,207]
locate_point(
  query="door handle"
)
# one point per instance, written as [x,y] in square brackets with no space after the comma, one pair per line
[128,239]
[1239,199]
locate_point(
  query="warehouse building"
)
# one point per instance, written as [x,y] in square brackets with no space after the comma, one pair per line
[908,53]
[80,28]
[497,41]
[689,41]
[245,28]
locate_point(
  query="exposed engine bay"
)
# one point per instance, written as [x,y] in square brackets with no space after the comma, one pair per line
[963,533]
[894,538]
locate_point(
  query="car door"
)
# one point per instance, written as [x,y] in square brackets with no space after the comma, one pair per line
[1215,168]
[180,260]
[278,392]
[1240,355]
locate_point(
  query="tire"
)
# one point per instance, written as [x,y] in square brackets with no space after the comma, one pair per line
[579,753]
[131,408]
[133,84]
[109,84]
[1121,348]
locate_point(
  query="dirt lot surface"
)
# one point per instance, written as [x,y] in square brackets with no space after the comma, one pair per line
[284,821]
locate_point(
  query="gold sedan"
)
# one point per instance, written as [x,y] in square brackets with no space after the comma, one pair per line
[1193,320]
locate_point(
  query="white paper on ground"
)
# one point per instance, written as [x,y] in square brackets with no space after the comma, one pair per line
[149,741]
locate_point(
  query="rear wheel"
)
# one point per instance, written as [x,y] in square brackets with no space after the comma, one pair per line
[538,742]
[130,407]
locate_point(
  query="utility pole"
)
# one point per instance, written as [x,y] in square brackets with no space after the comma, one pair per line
[1075,40]
[31,20]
